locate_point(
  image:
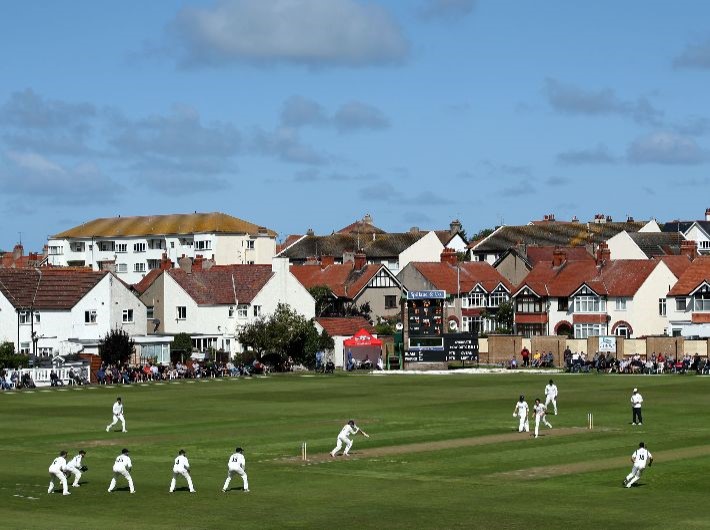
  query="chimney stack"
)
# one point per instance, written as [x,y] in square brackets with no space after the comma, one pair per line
[17,252]
[689,248]
[707,214]
[559,257]
[603,253]
[326,261]
[360,260]
[455,227]
[448,255]
[185,264]
[165,263]
[197,262]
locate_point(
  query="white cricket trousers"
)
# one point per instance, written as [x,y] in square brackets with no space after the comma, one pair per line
[236,471]
[524,425]
[121,472]
[77,474]
[116,419]
[634,475]
[62,480]
[187,476]
[551,399]
[539,419]
[342,440]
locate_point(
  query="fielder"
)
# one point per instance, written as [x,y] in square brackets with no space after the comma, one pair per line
[551,395]
[181,467]
[540,411]
[641,458]
[75,467]
[117,415]
[636,402]
[344,438]
[236,465]
[57,469]
[521,411]
[122,467]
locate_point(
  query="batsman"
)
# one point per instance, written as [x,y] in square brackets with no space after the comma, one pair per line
[350,429]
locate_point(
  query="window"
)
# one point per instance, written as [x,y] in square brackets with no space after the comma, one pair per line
[680,304]
[704,245]
[181,312]
[623,331]
[250,262]
[25,348]
[231,311]
[138,247]
[153,264]
[702,301]
[55,250]
[204,344]
[621,304]
[139,267]
[127,316]
[382,280]
[257,310]
[77,246]
[121,267]
[589,304]
[150,312]
[475,299]
[528,304]
[45,351]
[121,247]
[582,331]
[105,246]
[203,245]
[172,244]
[26,317]
[677,332]
[156,244]
[242,311]
[390,301]
[563,304]
[250,244]
[497,298]
[90,316]
[662,307]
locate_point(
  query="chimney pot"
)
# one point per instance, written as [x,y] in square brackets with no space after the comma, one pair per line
[360,260]
[448,255]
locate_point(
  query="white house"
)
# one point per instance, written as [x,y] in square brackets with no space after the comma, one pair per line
[212,303]
[48,311]
[644,244]
[688,304]
[133,246]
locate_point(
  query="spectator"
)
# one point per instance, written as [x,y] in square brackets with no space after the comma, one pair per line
[525,355]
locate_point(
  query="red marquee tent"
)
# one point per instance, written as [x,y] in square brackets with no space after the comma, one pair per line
[363,346]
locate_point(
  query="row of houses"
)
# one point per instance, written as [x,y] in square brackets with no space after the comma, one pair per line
[639,283]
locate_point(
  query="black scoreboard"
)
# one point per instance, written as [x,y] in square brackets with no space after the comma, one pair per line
[425,313]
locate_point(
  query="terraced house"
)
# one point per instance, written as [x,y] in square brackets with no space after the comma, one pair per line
[133,246]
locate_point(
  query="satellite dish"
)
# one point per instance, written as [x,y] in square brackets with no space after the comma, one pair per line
[453,325]
[399,326]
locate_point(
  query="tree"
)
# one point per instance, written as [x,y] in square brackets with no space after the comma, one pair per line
[181,344]
[9,359]
[116,347]
[324,298]
[485,232]
[502,317]
[283,334]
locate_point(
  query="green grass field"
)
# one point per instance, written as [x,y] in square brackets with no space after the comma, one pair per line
[442,454]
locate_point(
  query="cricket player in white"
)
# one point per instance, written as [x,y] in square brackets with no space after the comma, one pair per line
[122,467]
[236,465]
[181,467]
[350,429]
[57,469]
[74,467]
[636,402]
[117,416]
[521,411]
[641,458]
[551,395]
[540,411]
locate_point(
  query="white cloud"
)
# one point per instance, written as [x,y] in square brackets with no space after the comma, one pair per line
[694,56]
[666,148]
[298,111]
[285,145]
[598,155]
[356,115]
[572,99]
[316,33]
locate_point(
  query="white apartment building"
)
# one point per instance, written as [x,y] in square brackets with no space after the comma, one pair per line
[133,246]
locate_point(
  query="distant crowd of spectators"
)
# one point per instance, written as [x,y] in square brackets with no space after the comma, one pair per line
[127,374]
[635,364]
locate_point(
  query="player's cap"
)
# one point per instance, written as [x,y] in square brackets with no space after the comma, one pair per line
[82,452]
[351,422]
[62,453]
[522,397]
[641,444]
[181,452]
[124,451]
[550,381]
[636,389]
[118,398]
[239,450]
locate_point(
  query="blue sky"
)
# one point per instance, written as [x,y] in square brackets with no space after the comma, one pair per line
[298,114]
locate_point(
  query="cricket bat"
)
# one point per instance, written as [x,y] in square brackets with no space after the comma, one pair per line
[364,434]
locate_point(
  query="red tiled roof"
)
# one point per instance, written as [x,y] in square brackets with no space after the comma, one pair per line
[535,254]
[290,240]
[343,279]
[47,288]
[464,278]
[214,286]
[361,227]
[677,264]
[345,326]
[146,281]
[615,278]
[697,273]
